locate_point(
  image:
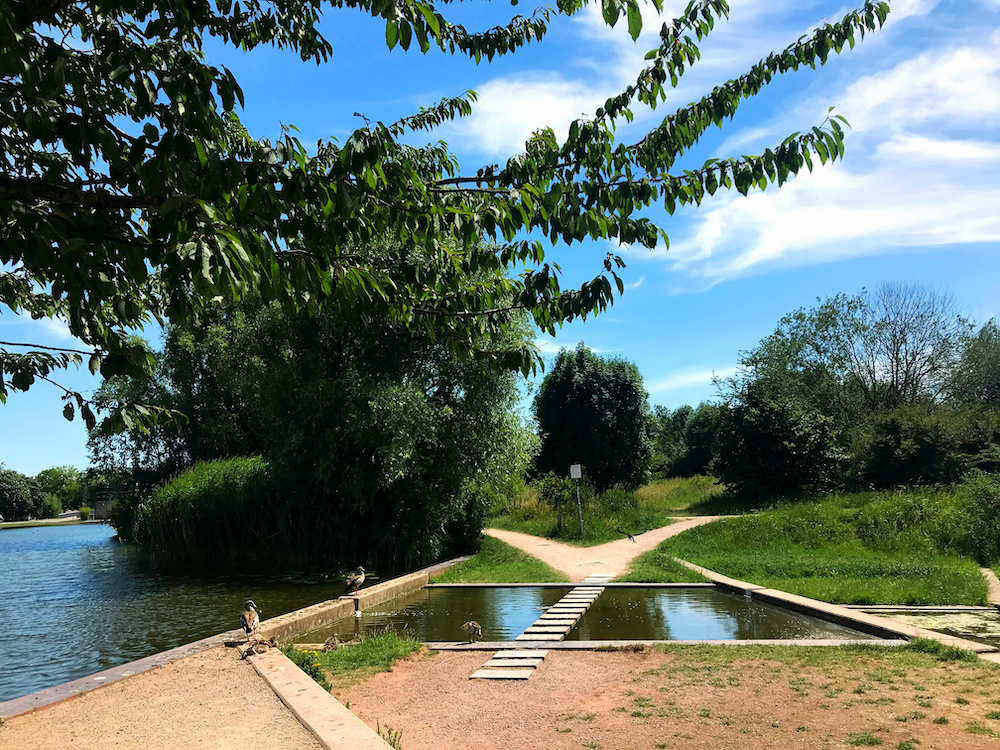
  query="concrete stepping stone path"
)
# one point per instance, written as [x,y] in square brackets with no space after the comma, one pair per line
[552,625]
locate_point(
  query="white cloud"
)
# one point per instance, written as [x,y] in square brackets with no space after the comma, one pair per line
[41,331]
[687,378]
[920,171]
[510,109]
[635,284]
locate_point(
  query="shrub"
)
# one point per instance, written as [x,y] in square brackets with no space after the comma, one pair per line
[85,512]
[51,507]
[216,509]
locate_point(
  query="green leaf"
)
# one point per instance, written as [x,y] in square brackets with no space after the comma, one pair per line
[634,19]
[68,411]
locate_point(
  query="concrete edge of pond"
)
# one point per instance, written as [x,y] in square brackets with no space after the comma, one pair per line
[622,585]
[626,644]
[329,720]
[278,627]
[838,614]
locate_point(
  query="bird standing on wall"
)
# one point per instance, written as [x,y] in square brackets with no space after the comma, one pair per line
[354,580]
[474,630]
[250,618]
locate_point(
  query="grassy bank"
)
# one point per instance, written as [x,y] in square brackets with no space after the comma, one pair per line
[610,515]
[865,548]
[354,662]
[500,563]
[658,566]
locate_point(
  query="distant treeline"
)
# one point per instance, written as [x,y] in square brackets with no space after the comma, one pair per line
[887,388]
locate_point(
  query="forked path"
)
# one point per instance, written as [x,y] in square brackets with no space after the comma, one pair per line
[611,557]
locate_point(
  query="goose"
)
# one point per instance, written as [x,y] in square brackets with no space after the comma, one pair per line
[474,630]
[250,618]
[354,581]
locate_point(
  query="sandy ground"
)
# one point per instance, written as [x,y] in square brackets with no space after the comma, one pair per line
[579,562]
[209,700]
[651,700]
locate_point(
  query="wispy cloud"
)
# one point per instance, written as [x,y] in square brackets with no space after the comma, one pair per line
[921,171]
[687,378]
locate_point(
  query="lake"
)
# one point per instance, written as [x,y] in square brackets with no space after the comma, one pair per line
[74,601]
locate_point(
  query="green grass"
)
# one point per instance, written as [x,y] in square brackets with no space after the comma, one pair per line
[500,563]
[606,517]
[373,653]
[866,548]
[656,566]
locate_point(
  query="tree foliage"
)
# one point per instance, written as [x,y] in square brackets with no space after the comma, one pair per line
[594,411]
[17,501]
[383,446]
[130,192]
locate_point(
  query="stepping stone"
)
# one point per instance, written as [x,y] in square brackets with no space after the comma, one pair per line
[537,637]
[522,653]
[565,609]
[552,622]
[549,629]
[521,663]
[502,674]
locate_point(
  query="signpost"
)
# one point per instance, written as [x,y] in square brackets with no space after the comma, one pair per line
[575,472]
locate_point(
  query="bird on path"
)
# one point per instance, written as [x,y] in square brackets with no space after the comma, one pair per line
[250,618]
[474,630]
[630,537]
[354,581]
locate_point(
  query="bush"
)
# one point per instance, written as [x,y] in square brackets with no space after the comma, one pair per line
[51,507]
[908,446]
[776,444]
[85,512]
[216,510]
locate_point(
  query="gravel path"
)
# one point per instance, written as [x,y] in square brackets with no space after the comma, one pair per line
[579,562]
[209,700]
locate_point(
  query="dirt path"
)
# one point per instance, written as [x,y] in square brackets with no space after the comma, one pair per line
[612,557]
[209,700]
[700,698]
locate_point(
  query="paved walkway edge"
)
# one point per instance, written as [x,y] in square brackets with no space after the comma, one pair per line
[993,584]
[333,725]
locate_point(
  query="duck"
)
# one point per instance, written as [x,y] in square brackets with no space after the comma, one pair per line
[474,630]
[354,580]
[250,618]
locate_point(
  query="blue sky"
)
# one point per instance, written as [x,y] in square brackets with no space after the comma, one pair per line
[917,198]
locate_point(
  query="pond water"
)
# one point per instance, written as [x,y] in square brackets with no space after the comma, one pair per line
[701,614]
[617,614]
[976,626]
[73,601]
[433,614]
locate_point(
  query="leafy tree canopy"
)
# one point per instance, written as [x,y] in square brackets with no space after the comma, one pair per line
[594,411]
[384,446]
[130,192]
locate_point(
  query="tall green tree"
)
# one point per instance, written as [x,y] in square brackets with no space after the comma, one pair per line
[130,192]
[385,446]
[63,482]
[595,412]
[976,379]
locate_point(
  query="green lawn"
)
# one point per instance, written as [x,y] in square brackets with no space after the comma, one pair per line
[657,566]
[609,516]
[852,549]
[353,662]
[500,563]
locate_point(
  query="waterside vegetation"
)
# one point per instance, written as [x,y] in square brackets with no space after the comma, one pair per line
[915,546]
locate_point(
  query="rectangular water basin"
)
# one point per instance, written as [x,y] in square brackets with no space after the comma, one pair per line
[434,615]
[697,614]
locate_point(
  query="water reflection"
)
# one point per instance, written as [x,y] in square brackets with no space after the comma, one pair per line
[701,614]
[437,614]
[73,601]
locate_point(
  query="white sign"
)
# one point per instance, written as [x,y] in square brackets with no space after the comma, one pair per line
[575,471]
